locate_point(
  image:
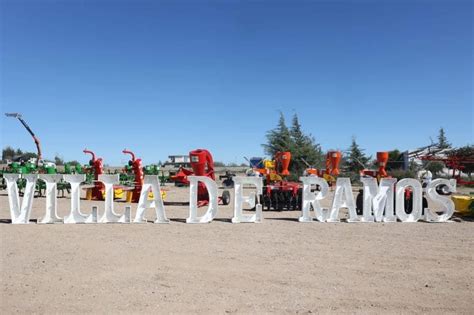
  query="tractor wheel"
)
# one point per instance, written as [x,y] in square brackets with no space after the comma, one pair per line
[288,200]
[408,205]
[274,200]
[424,205]
[228,182]
[300,198]
[294,202]
[443,190]
[360,202]
[225,197]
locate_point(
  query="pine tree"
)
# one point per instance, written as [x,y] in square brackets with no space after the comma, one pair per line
[8,153]
[294,140]
[278,139]
[305,149]
[356,159]
[442,140]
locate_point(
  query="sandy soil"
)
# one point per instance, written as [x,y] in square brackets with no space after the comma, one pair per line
[279,266]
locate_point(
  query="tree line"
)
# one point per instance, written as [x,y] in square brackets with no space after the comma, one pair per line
[306,152]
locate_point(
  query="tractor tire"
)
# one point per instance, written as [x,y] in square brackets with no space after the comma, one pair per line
[294,202]
[267,204]
[443,190]
[360,202]
[274,198]
[225,197]
[300,198]
[228,183]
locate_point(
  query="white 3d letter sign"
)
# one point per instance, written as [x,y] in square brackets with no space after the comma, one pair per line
[415,214]
[311,199]
[75,215]
[151,183]
[51,181]
[444,201]
[20,214]
[239,199]
[378,200]
[343,198]
[193,198]
[109,215]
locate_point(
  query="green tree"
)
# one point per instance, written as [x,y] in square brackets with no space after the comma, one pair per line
[294,140]
[58,160]
[219,164]
[8,153]
[305,149]
[434,167]
[442,140]
[278,139]
[395,160]
[356,160]
[28,155]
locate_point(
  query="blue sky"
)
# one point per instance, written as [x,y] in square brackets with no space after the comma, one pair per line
[162,77]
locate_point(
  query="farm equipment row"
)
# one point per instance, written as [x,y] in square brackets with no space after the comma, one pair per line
[279,192]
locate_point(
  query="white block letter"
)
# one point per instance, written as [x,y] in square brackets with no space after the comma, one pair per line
[343,191]
[151,182]
[239,199]
[109,215]
[75,215]
[312,199]
[51,215]
[20,215]
[417,198]
[445,201]
[378,198]
[193,191]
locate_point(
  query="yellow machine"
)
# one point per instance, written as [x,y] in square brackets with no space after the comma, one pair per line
[463,204]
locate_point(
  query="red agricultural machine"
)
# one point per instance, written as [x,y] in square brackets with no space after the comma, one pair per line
[278,193]
[202,165]
[96,168]
[454,162]
[136,167]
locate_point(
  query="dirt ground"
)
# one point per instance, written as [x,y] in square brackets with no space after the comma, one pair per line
[278,266]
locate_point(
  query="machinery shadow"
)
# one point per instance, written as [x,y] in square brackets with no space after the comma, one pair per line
[459,218]
[283,219]
[9,221]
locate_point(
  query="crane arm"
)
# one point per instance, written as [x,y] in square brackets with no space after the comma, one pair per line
[35,138]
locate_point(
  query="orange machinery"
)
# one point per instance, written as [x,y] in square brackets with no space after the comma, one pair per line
[382,159]
[333,159]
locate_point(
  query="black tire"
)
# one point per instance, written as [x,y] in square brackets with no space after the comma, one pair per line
[360,202]
[408,204]
[424,206]
[267,202]
[300,199]
[443,190]
[225,197]
[228,182]
[274,200]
